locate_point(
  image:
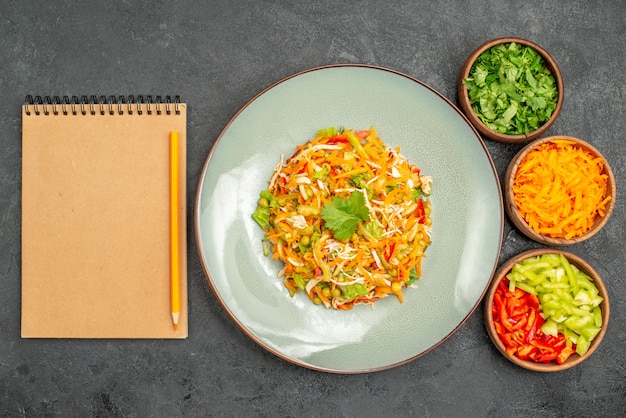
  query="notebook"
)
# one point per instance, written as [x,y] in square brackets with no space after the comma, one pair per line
[96,227]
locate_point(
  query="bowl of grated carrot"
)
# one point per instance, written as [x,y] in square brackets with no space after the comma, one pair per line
[559,190]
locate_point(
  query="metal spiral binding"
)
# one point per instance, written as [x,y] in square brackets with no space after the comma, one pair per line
[92,105]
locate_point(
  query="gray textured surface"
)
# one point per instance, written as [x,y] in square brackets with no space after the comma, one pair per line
[217,55]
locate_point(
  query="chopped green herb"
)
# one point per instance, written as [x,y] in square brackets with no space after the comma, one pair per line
[511,90]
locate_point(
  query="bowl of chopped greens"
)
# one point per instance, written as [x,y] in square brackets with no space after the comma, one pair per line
[546,310]
[511,90]
[559,190]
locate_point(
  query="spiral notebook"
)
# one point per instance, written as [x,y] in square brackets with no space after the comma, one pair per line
[96,224]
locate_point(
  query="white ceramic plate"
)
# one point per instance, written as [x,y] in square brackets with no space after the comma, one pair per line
[467,215]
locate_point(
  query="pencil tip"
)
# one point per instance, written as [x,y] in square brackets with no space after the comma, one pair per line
[175,316]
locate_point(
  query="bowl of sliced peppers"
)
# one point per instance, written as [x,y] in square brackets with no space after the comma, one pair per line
[546,310]
[511,90]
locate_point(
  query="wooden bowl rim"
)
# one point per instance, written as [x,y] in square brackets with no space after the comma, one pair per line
[574,359]
[464,101]
[519,221]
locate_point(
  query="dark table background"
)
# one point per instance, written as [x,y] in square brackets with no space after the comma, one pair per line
[219,54]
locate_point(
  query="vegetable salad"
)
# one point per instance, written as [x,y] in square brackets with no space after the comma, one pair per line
[349,217]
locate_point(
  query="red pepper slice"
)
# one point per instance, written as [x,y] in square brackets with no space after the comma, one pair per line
[524,352]
[518,322]
[421,212]
[518,307]
[341,138]
[548,357]
[509,340]
[392,246]
[533,301]
[564,354]
[536,325]
[304,168]
[504,319]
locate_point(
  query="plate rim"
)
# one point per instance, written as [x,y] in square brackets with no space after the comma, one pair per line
[197,234]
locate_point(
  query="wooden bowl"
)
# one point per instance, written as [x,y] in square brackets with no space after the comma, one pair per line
[574,359]
[517,219]
[465,104]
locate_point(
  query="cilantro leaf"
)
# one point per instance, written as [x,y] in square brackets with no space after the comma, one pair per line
[343,215]
[342,223]
[355,204]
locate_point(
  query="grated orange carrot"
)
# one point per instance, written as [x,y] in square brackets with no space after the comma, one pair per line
[560,189]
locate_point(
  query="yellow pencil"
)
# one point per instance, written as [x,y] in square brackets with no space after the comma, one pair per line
[174,229]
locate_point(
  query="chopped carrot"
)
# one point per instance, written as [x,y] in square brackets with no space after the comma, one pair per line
[560,189]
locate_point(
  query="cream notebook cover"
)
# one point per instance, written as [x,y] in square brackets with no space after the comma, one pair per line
[96,218]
